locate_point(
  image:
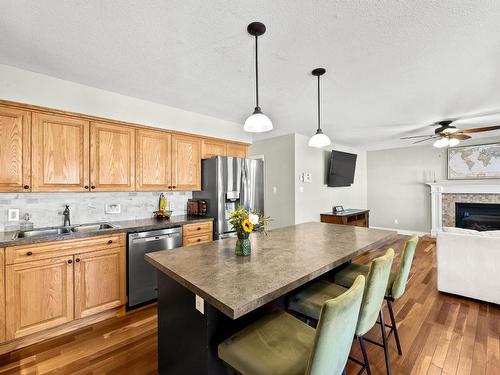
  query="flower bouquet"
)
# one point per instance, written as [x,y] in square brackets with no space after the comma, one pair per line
[245,222]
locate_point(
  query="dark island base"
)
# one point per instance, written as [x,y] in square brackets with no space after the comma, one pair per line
[188,339]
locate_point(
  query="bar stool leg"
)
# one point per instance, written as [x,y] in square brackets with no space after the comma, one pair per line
[386,347]
[365,356]
[394,326]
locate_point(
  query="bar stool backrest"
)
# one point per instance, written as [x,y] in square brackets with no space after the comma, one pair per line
[376,286]
[335,330]
[399,284]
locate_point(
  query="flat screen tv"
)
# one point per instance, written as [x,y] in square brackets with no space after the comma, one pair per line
[341,169]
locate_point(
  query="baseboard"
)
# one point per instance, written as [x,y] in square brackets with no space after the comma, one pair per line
[405,231]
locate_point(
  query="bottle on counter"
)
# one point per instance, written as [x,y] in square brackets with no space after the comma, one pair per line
[162,205]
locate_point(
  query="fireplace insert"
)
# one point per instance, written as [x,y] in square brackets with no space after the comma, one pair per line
[478,216]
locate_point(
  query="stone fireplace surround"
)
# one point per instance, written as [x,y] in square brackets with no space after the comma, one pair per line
[444,195]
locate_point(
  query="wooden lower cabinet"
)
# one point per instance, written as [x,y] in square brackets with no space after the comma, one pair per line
[44,291]
[99,281]
[2,295]
[196,233]
[39,295]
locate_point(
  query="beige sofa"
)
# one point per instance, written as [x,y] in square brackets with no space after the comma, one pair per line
[468,263]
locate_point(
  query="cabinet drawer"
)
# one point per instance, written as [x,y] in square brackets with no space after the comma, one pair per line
[44,250]
[197,229]
[194,240]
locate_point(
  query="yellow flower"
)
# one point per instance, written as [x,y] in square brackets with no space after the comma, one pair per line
[247,226]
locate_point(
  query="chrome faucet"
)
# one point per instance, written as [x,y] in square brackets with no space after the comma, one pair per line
[67,221]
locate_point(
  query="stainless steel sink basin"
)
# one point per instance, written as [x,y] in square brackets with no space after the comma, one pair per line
[43,232]
[65,230]
[91,227]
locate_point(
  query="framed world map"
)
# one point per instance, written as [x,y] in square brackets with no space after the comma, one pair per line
[474,162]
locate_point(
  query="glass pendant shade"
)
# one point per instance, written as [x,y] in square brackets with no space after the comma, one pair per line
[453,142]
[442,142]
[319,140]
[258,123]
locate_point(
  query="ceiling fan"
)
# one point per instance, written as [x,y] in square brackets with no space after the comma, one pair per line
[446,134]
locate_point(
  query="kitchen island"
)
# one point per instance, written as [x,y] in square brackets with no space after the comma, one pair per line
[206,293]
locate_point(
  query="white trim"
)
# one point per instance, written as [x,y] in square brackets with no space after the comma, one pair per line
[406,232]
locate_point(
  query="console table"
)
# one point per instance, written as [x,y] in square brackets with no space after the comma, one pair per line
[359,218]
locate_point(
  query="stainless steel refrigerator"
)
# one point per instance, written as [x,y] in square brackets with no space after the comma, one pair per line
[226,184]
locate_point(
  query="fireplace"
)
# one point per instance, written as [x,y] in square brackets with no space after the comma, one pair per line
[478,216]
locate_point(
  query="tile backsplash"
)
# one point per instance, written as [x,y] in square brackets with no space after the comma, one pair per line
[46,209]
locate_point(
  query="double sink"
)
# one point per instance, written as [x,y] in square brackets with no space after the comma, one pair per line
[65,230]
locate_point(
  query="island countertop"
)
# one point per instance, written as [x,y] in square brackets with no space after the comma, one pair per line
[281,261]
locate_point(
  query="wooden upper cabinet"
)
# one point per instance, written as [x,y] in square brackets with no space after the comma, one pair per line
[60,153]
[186,162]
[237,150]
[112,157]
[39,295]
[100,281]
[211,148]
[15,143]
[153,160]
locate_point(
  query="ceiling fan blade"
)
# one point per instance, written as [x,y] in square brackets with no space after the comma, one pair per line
[460,136]
[416,136]
[423,140]
[479,130]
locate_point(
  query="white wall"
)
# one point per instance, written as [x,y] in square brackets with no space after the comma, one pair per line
[38,89]
[316,197]
[288,156]
[279,174]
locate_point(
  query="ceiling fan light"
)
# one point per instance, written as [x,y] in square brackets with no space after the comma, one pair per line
[258,123]
[440,143]
[319,140]
[452,142]
[450,130]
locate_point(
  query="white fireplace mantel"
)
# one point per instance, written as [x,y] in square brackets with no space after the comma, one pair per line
[458,187]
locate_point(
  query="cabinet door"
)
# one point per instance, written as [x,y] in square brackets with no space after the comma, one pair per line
[112,157]
[99,281]
[236,150]
[60,153]
[211,148]
[15,150]
[186,163]
[2,295]
[153,160]
[39,295]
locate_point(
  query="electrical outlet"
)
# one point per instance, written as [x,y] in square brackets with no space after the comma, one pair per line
[200,304]
[396,221]
[275,189]
[13,214]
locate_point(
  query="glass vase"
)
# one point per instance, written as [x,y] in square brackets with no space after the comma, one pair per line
[243,246]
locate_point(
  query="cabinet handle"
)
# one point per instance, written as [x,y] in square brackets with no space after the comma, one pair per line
[70,261]
[92,187]
[174,187]
[198,228]
[77,260]
[110,241]
[199,239]
[86,187]
[26,187]
[29,253]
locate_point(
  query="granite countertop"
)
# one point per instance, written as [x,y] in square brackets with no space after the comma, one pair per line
[9,238]
[281,261]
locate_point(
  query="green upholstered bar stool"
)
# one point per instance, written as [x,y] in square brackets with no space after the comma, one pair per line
[280,344]
[308,301]
[396,286]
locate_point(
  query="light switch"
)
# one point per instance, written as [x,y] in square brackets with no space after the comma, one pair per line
[275,189]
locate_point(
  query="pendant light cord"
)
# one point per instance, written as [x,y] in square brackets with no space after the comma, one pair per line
[319,108]
[256,71]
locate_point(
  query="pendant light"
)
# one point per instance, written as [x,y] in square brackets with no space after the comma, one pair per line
[319,139]
[257,122]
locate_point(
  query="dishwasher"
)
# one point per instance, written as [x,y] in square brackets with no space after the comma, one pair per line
[142,283]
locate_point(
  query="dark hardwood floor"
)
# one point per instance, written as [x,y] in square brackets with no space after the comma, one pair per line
[440,334]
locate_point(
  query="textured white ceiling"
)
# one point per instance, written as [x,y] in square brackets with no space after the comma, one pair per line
[392,66]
